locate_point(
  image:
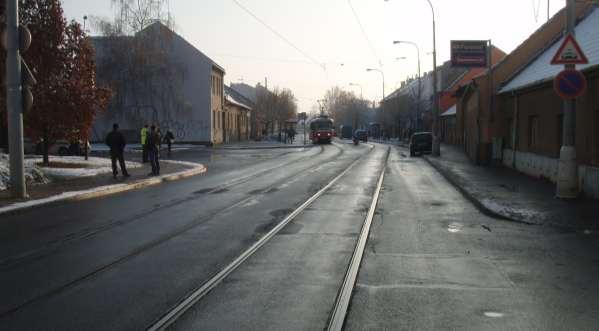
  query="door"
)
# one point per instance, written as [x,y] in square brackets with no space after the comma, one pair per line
[224,126]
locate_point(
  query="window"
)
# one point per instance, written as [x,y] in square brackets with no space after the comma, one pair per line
[533,131]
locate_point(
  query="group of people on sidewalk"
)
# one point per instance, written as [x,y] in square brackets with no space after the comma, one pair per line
[151,141]
[289,135]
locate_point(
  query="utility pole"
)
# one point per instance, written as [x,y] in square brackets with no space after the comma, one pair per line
[567,178]
[436,141]
[14,101]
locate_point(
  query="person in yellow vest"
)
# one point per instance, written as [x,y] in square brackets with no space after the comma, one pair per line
[144,143]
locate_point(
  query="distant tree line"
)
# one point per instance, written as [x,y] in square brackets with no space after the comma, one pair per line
[345,108]
[272,109]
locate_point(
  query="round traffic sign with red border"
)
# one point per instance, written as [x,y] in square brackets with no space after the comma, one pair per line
[570,84]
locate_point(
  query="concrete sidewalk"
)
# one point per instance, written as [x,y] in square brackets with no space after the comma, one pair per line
[504,193]
[98,186]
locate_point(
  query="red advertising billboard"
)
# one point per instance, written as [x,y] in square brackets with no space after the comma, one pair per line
[469,53]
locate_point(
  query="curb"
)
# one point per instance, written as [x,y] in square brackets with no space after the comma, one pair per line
[106,190]
[450,177]
[265,147]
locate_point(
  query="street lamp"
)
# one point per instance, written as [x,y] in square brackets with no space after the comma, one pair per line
[382,75]
[382,104]
[361,90]
[396,42]
[436,148]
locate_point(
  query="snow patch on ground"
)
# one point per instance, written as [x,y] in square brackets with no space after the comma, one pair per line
[197,168]
[92,167]
[33,175]
[512,211]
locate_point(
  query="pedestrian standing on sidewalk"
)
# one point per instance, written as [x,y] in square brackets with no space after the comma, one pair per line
[116,141]
[159,133]
[292,134]
[152,143]
[169,138]
[144,143]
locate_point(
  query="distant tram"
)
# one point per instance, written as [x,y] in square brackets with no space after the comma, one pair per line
[321,130]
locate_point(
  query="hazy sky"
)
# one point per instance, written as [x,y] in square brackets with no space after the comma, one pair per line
[328,32]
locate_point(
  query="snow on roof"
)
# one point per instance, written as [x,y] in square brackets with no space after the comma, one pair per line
[235,102]
[451,111]
[541,70]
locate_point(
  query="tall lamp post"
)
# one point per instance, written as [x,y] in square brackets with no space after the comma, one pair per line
[355,120]
[361,90]
[382,104]
[382,75]
[417,51]
[396,42]
[436,147]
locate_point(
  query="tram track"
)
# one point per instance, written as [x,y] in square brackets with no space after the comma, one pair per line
[339,312]
[196,295]
[162,239]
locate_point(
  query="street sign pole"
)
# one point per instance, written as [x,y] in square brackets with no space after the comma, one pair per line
[567,179]
[14,104]
[304,121]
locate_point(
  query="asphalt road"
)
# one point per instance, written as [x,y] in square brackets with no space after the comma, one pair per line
[432,260]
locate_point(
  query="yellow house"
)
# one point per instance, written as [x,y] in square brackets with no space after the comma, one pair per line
[237,116]
[217,103]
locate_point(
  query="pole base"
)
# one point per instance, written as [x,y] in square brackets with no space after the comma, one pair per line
[436,146]
[567,176]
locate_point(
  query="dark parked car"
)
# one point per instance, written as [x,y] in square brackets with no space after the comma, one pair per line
[421,143]
[362,135]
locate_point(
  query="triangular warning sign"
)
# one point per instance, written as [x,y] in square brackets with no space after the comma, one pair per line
[569,53]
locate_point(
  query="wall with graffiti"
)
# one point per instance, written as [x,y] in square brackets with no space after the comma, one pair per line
[170,88]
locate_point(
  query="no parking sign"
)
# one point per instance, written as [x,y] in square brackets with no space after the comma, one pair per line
[570,84]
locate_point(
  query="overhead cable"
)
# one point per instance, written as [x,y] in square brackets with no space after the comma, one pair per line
[364,33]
[287,41]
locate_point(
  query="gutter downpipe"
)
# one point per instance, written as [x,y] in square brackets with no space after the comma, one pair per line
[515,128]
[464,116]
[477,149]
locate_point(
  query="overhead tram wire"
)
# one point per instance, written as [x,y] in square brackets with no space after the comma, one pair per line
[283,38]
[364,33]
[264,59]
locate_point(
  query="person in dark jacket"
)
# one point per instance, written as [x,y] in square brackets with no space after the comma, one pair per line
[116,141]
[168,139]
[144,143]
[153,152]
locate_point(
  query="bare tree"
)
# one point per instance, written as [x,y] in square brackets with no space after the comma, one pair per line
[132,16]
[275,107]
[345,108]
[136,63]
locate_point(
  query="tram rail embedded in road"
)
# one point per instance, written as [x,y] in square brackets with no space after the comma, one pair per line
[172,315]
